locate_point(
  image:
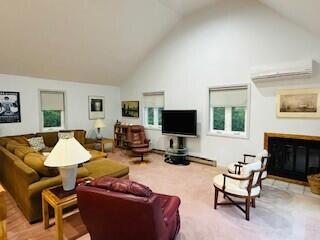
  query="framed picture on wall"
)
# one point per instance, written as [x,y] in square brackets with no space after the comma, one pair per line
[96,107]
[298,103]
[130,109]
[10,107]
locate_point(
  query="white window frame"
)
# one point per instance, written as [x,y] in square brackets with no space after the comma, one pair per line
[156,125]
[228,115]
[63,117]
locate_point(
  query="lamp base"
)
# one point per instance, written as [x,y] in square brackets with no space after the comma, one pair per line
[99,135]
[68,175]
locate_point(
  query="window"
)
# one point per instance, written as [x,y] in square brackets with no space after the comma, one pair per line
[153,106]
[229,111]
[52,110]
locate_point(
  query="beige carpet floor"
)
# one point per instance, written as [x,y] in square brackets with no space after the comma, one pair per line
[279,213]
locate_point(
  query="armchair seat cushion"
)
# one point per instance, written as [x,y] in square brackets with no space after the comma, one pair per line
[234,186]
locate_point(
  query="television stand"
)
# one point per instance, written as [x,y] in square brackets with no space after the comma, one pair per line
[177,156]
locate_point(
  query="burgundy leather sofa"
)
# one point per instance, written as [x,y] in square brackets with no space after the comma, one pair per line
[119,209]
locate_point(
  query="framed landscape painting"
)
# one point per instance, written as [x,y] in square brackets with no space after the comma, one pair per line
[96,107]
[10,107]
[130,109]
[298,103]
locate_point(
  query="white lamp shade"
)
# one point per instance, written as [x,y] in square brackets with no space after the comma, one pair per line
[67,152]
[99,123]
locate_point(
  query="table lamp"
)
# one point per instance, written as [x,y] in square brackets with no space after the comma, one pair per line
[66,155]
[99,123]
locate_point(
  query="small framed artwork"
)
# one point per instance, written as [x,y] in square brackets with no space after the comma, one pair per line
[298,103]
[96,107]
[130,109]
[10,107]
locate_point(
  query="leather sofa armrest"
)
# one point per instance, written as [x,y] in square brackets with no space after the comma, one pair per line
[171,207]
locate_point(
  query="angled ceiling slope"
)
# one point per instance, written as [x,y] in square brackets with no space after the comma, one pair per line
[304,13]
[98,41]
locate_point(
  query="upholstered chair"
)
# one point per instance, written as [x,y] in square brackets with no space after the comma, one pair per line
[245,186]
[119,209]
[136,137]
[263,157]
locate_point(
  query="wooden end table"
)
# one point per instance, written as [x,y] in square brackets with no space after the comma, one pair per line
[3,215]
[59,199]
[104,141]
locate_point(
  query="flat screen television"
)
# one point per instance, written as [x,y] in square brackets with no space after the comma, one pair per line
[179,122]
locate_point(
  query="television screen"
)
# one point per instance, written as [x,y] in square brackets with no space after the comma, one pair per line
[179,122]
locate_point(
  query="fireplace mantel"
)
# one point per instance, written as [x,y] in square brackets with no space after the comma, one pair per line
[294,154]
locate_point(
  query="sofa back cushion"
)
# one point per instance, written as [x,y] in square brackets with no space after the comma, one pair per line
[22,151]
[4,141]
[50,138]
[122,186]
[36,162]
[21,139]
[80,135]
[11,145]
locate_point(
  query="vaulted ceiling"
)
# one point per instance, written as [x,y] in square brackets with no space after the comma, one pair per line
[102,41]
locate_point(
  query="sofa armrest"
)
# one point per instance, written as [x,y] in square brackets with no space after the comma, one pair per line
[44,183]
[90,140]
[25,174]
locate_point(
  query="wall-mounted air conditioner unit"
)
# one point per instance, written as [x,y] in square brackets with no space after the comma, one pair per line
[290,70]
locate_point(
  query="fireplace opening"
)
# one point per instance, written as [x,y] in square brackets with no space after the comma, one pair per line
[293,156]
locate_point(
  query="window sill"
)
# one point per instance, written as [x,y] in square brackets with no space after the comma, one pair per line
[152,128]
[228,135]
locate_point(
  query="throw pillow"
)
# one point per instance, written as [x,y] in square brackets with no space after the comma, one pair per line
[36,162]
[247,170]
[37,143]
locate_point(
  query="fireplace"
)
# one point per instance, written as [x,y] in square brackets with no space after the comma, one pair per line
[293,157]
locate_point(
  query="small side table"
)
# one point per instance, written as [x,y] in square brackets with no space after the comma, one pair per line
[59,199]
[3,215]
[104,141]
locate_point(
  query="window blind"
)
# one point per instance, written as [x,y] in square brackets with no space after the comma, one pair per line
[52,101]
[229,97]
[154,100]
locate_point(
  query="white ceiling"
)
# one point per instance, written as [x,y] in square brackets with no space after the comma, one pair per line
[186,7]
[102,41]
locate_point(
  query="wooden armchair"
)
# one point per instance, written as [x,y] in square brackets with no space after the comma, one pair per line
[264,156]
[244,186]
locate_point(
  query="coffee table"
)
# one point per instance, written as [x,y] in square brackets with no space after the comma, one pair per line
[59,199]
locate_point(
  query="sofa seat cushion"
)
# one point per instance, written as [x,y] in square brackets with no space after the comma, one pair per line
[36,162]
[22,151]
[122,186]
[234,186]
[96,154]
[106,167]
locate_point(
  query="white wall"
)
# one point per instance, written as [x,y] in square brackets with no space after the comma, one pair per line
[76,104]
[218,46]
